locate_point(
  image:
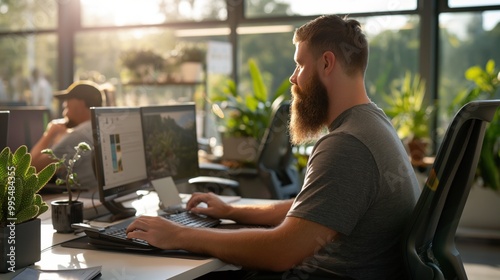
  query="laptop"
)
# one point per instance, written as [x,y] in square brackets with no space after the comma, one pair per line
[170,199]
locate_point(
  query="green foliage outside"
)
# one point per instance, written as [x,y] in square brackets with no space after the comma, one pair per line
[246,114]
[20,183]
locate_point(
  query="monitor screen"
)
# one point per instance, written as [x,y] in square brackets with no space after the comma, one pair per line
[170,141]
[119,155]
[26,125]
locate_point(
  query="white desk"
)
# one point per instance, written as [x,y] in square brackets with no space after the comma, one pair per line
[121,265]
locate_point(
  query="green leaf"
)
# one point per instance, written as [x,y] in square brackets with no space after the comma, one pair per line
[251,103]
[259,88]
[283,89]
[19,153]
[473,73]
[31,171]
[23,165]
[18,194]
[490,67]
[43,208]
[27,214]
[37,199]
[4,162]
[45,175]
[29,190]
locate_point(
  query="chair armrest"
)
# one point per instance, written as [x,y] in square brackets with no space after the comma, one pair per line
[202,180]
[213,166]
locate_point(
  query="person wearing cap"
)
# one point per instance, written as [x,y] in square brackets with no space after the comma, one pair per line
[62,135]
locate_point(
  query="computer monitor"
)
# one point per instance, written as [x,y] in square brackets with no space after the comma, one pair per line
[26,125]
[4,128]
[170,141]
[120,165]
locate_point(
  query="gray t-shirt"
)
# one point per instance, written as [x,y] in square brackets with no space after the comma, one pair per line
[360,183]
[83,167]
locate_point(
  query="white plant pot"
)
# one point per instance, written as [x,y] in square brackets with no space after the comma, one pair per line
[481,215]
[191,72]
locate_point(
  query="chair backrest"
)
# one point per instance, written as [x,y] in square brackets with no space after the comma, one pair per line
[26,125]
[429,250]
[275,160]
[4,128]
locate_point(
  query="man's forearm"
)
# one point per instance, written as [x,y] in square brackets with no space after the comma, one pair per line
[271,214]
[39,160]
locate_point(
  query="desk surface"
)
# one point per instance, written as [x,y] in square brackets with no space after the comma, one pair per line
[121,265]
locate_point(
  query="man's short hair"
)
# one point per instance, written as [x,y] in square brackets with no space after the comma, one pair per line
[341,36]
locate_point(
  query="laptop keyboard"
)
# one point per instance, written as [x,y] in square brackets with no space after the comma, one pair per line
[117,234]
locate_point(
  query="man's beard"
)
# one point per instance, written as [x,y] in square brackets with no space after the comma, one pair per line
[71,124]
[309,111]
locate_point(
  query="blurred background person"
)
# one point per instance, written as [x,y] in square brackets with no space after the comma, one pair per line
[41,90]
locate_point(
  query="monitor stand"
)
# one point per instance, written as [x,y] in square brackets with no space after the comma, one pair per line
[117,212]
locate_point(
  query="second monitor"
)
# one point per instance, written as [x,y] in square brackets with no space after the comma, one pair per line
[170,142]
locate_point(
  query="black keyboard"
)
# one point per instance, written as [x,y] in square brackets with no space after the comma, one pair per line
[115,236]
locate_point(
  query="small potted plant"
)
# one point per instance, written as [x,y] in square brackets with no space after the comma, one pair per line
[66,212]
[410,115]
[20,206]
[191,59]
[141,66]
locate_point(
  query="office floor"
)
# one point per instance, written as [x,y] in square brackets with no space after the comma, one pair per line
[481,258]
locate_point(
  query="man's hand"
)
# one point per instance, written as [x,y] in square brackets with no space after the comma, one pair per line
[157,231]
[216,208]
[55,130]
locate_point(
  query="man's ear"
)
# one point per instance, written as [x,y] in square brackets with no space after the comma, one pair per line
[328,60]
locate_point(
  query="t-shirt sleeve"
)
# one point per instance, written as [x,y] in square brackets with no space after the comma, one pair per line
[340,184]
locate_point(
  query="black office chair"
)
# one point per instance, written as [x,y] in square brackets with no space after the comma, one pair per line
[429,250]
[275,158]
[275,175]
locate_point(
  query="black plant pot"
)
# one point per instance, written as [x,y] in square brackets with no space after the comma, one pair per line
[65,213]
[19,245]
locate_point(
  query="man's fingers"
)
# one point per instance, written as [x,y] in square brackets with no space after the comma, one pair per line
[196,199]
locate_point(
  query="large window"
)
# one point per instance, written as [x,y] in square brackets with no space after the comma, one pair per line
[258,8]
[400,35]
[472,3]
[28,15]
[20,55]
[466,39]
[133,12]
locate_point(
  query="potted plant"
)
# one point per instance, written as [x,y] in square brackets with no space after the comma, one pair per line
[410,115]
[191,58]
[66,212]
[243,118]
[141,66]
[20,206]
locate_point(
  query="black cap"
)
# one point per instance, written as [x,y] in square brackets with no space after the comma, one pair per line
[87,91]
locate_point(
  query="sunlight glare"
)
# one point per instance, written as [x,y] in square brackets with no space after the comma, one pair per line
[123,12]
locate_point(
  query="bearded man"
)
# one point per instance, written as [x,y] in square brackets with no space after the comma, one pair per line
[359,188]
